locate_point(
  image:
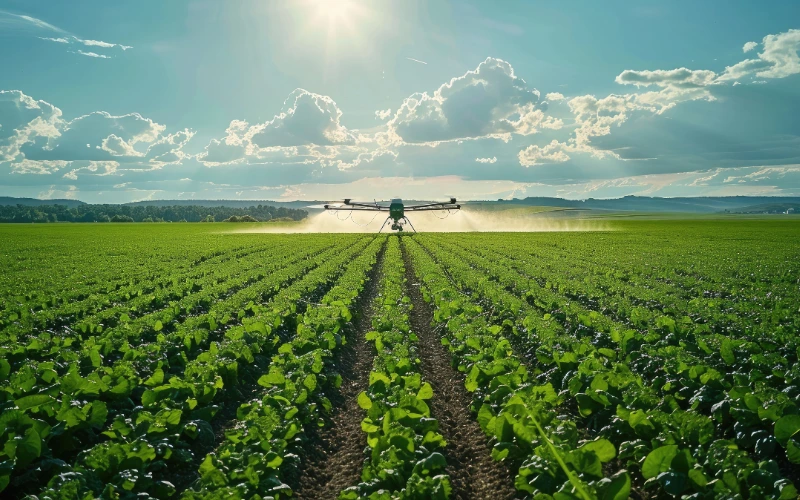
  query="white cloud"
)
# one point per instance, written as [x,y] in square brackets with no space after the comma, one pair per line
[781,52]
[107,136]
[552,153]
[168,149]
[117,146]
[555,96]
[678,78]
[24,120]
[98,43]
[104,167]
[778,59]
[595,117]
[70,193]
[24,24]
[493,159]
[383,114]
[230,149]
[416,60]
[749,46]
[93,54]
[57,40]
[306,118]
[35,138]
[489,101]
[44,167]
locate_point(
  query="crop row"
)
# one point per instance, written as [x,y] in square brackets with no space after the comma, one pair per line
[157,394]
[613,403]
[77,279]
[260,447]
[405,449]
[131,290]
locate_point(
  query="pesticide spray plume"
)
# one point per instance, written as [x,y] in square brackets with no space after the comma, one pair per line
[456,221]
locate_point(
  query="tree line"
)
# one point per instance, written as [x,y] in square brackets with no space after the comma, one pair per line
[127,213]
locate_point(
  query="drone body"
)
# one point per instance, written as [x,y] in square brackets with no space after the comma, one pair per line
[397,210]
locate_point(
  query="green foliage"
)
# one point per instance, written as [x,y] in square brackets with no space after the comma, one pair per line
[599,364]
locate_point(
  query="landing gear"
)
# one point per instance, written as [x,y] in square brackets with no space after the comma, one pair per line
[397,224]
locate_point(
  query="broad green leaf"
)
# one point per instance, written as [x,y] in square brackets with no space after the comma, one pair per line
[697,478]
[272,378]
[157,378]
[659,460]
[29,447]
[603,448]
[585,462]
[787,427]
[726,351]
[34,400]
[425,392]
[363,401]
[793,451]
[310,382]
[485,416]
[98,414]
[616,488]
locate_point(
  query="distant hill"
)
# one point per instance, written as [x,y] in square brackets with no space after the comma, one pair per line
[35,202]
[704,204]
[223,203]
[769,208]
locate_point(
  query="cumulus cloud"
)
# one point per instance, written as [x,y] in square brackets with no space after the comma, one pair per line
[493,159]
[98,136]
[555,96]
[43,167]
[552,153]
[24,119]
[309,125]
[306,118]
[229,149]
[117,146]
[36,139]
[168,149]
[778,59]
[595,117]
[749,46]
[490,101]
[677,78]
[383,114]
[99,168]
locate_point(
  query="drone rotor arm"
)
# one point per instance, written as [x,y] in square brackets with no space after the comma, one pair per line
[438,206]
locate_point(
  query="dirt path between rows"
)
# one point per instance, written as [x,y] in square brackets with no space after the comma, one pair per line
[473,473]
[336,457]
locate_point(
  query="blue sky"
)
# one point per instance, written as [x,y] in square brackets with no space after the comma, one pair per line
[324,99]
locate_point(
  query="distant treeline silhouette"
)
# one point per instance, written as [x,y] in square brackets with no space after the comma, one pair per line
[127,213]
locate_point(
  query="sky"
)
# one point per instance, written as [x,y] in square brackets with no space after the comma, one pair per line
[111,102]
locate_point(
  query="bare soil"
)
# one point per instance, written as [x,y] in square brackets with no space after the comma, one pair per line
[473,473]
[335,456]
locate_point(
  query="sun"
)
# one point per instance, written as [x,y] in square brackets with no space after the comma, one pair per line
[336,11]
[335,14]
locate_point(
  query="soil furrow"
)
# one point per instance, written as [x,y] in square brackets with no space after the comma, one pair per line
[335,457]
[473,473]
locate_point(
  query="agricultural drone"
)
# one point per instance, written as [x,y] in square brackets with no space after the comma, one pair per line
[397,210]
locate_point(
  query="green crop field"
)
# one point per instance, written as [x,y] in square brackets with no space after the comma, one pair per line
[658,359]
